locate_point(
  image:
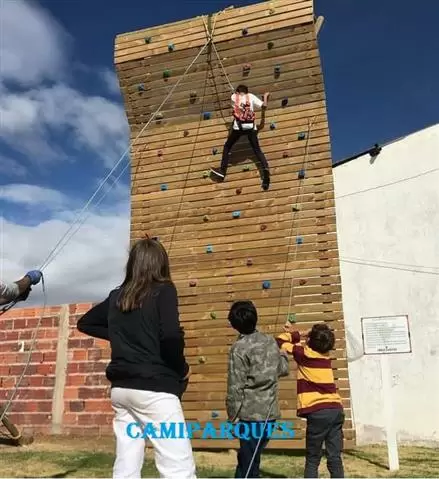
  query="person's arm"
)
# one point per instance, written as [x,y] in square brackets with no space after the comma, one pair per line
[288,342]
[236,380]
[95,322]
[283,368]
[19,290]
[171,334]
[260,103]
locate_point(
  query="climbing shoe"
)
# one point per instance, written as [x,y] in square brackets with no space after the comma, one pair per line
[218,173]
[265,180]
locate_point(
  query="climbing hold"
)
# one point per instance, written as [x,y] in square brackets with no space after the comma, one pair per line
[205,174]
[159,117]
[185,133]
[296,208]
[166,73]
[302,282]
[284,102]
[285,154]
[238,191]
[206,115]
[147,40]
[205,218]
[277,69]
[193,94]
[214,151]
[193,283]
[301,174]
[160,152]
[246,168]
[249,262]
[301,136]
[272,10]
[270,45]
[141,87]
[291,318]
[156,238]
[201,359]
[171,47]
[213,315]
[266,285]
[244,31]
[236,214]
[215,414]
[263,227]
[209,249]
[163,187]
[272,125]
[299,240]
[246,68]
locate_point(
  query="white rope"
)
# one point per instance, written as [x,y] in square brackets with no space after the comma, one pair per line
[51,255]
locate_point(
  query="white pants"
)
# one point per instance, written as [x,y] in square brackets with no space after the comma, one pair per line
[173,457]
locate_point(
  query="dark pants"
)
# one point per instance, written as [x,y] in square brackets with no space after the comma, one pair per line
[325,426]
[247,448]
[252,136]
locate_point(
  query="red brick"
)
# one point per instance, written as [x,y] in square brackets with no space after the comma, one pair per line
[13,335]
[20,323]
[48,322]
[46,369]
[8,358]
[36,357]
[76,406]
[51,333]
[31,323]
[36,381]
[4,370]
[6,323]
[24,335]
[70,418]
[94,380]
[8,382]
[100,405]
[94,354]
[35,393]
[79,355]
[49,382]
[75,380]
[95,392]
[72,368]
[70,393]
[50,356]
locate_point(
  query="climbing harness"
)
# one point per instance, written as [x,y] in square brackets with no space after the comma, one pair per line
[243,113]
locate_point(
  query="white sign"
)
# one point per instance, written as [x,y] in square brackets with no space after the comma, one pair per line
[386,335]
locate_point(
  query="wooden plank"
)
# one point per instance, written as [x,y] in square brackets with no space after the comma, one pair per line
[305,278]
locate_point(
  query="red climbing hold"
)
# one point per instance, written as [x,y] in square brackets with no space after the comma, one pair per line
[302,282]
[263,227]
[249,262]
[285,154]
[238,191]
[192,283]
[160,152]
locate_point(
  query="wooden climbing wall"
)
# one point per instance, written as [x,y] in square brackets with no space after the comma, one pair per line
[285,237]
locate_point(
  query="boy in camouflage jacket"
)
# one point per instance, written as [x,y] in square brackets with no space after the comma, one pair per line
[255,365]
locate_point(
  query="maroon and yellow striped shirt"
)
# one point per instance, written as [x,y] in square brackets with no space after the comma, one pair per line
[316,387]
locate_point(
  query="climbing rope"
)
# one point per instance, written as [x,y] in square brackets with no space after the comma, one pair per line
[298,201]
[32,345]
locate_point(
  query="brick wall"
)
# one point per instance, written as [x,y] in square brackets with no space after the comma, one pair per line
[64,389]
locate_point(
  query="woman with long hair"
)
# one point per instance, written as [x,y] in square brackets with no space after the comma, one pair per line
[148,371]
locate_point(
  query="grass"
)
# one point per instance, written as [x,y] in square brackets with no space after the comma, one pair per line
[93,457]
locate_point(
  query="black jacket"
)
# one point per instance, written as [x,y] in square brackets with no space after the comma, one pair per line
[147,344]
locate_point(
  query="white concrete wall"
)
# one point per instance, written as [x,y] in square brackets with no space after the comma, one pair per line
[394,224]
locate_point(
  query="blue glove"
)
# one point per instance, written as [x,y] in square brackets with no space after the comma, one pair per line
[34,276]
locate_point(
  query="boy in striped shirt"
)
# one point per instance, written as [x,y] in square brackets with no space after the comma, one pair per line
[317,398]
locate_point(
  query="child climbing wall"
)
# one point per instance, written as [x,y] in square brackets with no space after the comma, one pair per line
[227,241]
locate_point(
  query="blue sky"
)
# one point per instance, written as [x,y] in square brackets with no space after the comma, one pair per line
[62,119]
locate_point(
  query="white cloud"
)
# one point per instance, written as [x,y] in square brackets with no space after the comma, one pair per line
[32,44]
[30,117]
[90,263]
[111,81]
[33,195]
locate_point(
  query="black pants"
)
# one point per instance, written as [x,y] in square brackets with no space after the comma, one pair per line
[247,448]
[325,426]
[252,136]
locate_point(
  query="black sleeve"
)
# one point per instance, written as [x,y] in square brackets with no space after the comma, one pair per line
[171,334]
[95,322]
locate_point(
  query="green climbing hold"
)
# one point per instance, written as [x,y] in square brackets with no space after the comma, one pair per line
[166,73]
[213,315]
[148,40]
[246,168]
[206,174]
[201,359]
[291,318]
[296,208]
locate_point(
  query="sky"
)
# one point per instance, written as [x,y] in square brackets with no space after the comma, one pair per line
[63,126]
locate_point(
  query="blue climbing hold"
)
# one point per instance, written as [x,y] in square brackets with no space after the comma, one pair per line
[285,102]
[236,214]
[141,87]
[206,115]
[299,240]
[277,69]
[301,174]
[270,45]
[273,125]
[244,31]
[215,414]
[266,285]
[171,47]
[209,249]
[301,136]
[214,151]
[148,40]
[163,187]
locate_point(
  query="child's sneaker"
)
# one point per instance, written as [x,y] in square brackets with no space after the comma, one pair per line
[265,180]
[218,173]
